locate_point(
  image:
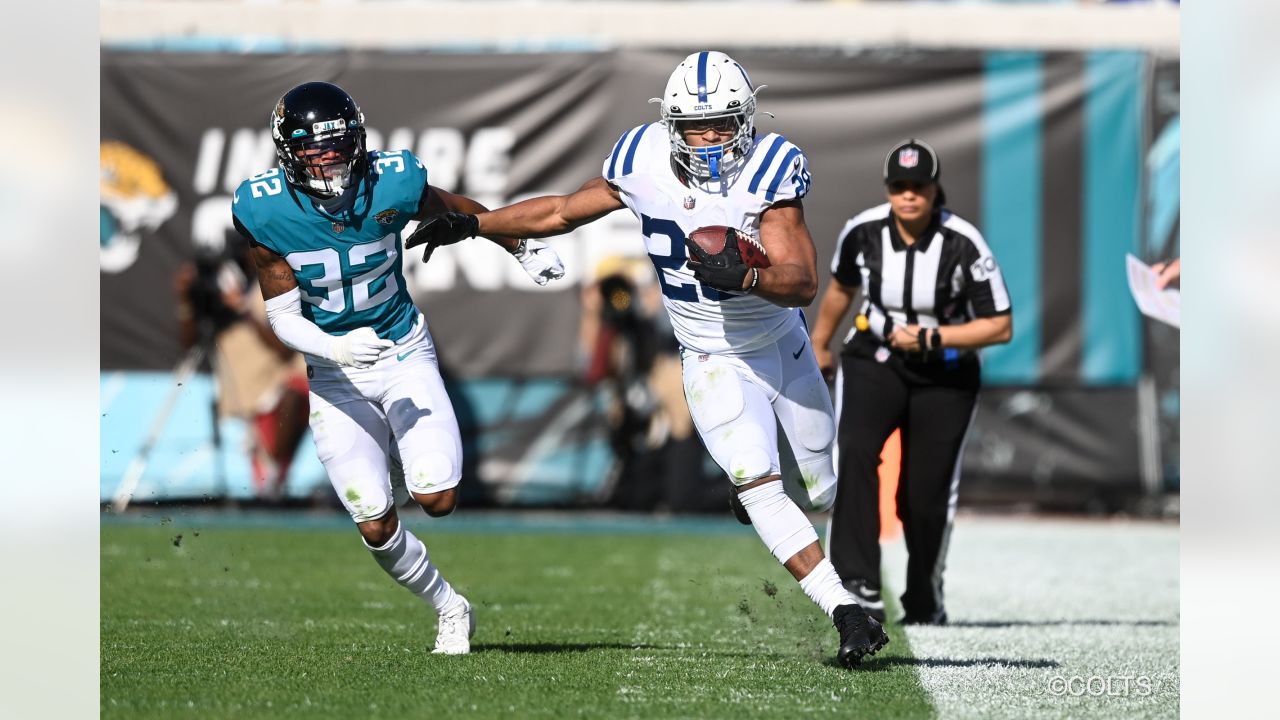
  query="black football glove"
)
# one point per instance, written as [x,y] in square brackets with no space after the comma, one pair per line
[439,230]
[723,271]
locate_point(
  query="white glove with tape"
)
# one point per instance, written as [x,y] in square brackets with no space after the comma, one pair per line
[359,348]
[539,260]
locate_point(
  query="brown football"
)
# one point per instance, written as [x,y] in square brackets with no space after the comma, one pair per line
[712,241]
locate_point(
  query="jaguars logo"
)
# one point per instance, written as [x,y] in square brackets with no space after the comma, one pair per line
[386,217]
[135,199]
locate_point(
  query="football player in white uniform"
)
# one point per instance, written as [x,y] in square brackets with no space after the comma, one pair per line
[748,366]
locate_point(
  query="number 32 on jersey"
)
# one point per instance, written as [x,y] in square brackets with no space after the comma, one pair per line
[325,290]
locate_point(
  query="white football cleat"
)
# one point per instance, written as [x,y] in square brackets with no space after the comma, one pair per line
[455,631]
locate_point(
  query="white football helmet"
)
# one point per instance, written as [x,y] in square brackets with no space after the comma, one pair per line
[709,85]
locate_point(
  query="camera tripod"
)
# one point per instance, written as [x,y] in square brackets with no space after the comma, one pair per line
[204,349]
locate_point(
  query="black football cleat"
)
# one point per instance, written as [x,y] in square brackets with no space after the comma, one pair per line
[860,635]
[937,618]
[735,505]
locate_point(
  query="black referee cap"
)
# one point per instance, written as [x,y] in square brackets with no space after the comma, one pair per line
[912,160]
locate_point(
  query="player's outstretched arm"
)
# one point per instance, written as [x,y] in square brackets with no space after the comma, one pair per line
[791,280]
[553,214]
[437,202]
[537,258]
[533,218]
[358,348]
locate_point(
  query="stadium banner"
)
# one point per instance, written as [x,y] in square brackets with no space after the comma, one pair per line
[1042,151]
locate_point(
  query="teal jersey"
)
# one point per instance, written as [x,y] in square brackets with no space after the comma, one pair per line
[347,265]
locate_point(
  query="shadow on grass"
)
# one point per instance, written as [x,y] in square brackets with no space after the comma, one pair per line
[1056,623]
[543,648]
[885,663]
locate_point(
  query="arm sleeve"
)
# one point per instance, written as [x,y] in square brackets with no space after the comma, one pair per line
[284,312]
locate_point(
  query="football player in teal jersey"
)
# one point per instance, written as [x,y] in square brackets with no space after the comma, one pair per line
[325,228]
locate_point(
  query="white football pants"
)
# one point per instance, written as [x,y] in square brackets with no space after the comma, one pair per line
[738,401]
[362,418]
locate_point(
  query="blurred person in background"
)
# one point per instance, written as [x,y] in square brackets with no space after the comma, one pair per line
[324,230]
[629,352]
[747,365]
[932,296]
[259,378]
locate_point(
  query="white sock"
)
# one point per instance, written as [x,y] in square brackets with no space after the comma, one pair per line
[777,520]
[824,588]
[405,559]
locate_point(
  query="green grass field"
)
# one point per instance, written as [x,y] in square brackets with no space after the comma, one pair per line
[581,616]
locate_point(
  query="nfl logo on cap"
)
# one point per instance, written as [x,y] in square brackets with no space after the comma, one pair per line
[909,157]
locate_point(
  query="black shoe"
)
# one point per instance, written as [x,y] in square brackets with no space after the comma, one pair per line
[937,618]
[735,505]
[860,635]
[868,597]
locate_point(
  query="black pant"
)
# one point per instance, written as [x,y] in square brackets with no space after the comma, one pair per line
[933,405]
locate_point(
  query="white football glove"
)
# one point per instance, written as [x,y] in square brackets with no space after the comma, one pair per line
[359,348]
[539,260]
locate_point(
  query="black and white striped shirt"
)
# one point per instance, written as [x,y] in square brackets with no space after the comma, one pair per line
[947,277]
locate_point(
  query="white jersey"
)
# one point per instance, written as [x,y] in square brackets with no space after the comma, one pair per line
[706,320]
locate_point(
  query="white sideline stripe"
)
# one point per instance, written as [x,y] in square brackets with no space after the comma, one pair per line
[1031,599]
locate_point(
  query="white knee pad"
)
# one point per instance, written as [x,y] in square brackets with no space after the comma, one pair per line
[780,524]
[817,484]
[362,488]
[432,465]
[749,461]
[431,454]
[431,472]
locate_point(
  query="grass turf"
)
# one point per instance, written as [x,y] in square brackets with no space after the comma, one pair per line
[277,623]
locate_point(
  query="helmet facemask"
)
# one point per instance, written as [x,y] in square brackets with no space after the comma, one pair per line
[709,89]
[713,162]
[324,165]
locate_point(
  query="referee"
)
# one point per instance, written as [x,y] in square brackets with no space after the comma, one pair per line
[931,296]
